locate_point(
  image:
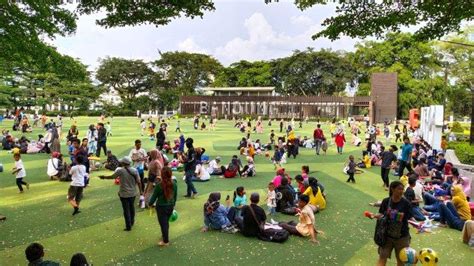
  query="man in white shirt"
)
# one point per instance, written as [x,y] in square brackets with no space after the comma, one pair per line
[139,157]
[214,168]
[78,175]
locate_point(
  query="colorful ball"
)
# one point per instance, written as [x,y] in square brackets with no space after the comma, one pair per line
[408,256]
[427,256]
[174,216]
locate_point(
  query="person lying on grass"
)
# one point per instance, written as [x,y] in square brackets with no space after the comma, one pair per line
[306,225]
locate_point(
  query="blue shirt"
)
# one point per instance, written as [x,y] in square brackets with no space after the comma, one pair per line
[406,152]
[240,201]
[217,219]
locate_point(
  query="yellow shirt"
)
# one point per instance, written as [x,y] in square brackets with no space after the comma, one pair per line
[366,161]
[460,202]
[316,200]
[404,180]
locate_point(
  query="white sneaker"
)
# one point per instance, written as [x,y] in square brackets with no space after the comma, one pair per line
[273,222]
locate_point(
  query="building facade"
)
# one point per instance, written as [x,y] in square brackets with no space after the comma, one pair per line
[234,102]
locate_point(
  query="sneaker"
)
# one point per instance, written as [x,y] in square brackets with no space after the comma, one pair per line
[187,196]
[273,221]
[194,195]
[27,185]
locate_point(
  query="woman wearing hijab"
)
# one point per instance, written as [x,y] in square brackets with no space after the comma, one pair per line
[216,215]
[160,139]
[154,170]
[164,196]
[456,212]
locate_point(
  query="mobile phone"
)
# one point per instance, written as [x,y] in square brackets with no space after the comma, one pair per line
[228,197]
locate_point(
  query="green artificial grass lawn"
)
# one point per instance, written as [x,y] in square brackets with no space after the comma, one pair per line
[43,215]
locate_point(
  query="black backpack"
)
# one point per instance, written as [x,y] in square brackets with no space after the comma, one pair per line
[274,235]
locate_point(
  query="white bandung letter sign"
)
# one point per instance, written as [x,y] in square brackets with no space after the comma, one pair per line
[431,126]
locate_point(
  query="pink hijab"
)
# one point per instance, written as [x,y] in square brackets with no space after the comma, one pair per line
[156,163]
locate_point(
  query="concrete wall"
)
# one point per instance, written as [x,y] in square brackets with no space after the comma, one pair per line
[384,92]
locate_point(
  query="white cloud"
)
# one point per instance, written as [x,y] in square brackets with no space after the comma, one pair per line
[189,45]
[301,20]
[264,43]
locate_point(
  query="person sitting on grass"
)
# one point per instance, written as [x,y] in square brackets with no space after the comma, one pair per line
[252,217]
[233,168]
[285,197]
[54,169]
[34,254]
[365,162]
[239,200]
[214,168]
[409,194]
[249,169]
[315,195]
[456,212]
[280,175]
[216,215]
[306,225]
[112,162]
[302,184]
[201,175]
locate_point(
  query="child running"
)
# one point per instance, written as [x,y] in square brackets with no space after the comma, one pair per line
[78,174]
[20,172]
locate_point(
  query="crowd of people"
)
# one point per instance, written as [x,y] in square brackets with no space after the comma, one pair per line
[431,189]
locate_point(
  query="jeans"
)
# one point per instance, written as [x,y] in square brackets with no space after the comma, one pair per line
[417,214]
[402,167]
[19,183]
[431,203]
[271,210]
[449,215]
[101,144]
[189,183]
[317,144]
[128,211]
[384,173]
[164,213]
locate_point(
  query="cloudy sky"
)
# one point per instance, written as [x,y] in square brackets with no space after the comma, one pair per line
[236,30]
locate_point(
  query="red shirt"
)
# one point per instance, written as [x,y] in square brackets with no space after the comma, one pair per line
[318,134]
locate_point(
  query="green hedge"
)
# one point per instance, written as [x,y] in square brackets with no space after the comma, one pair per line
[464,151]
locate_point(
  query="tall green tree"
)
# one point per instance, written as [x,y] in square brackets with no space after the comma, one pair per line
[417,64]
[127,77]
[245,74]
[312,72]
[185,72]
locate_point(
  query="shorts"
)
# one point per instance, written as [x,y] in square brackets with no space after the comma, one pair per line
[75,193]
[392,243]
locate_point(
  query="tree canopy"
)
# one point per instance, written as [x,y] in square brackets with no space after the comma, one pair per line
[127,77]
[360,19]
